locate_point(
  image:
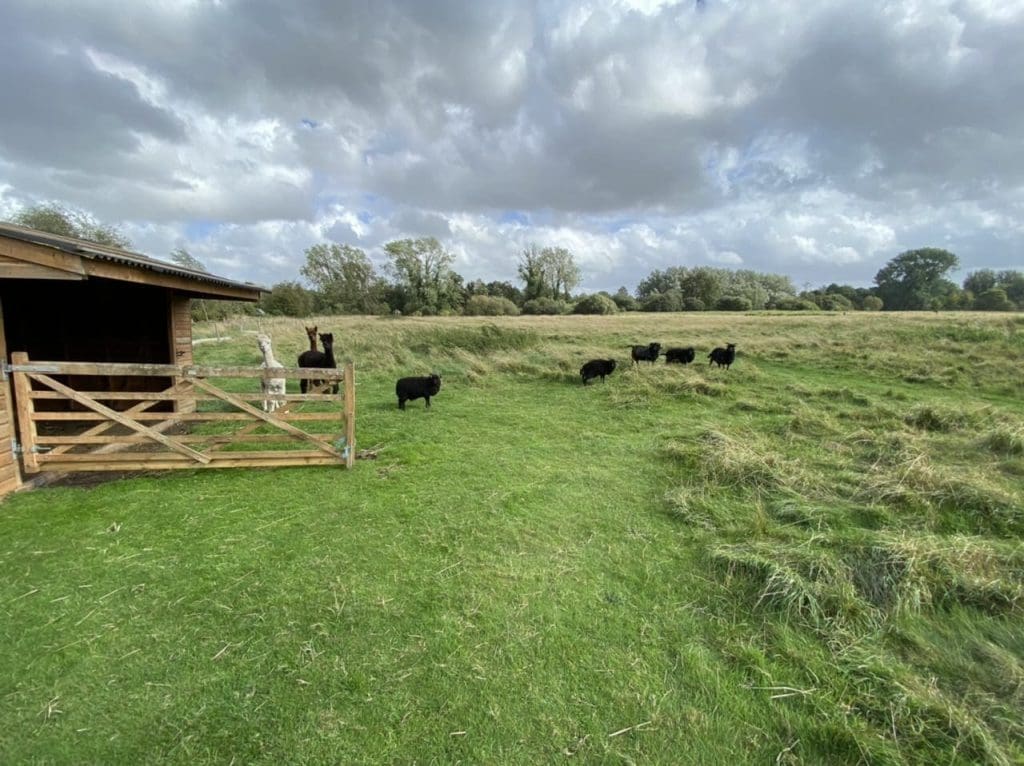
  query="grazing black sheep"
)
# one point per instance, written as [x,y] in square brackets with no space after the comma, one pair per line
[723,357]
[680,355]
[596,368]
[648,353]
[407,389]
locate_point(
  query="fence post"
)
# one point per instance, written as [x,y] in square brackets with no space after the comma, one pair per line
[350,413]
[23,405]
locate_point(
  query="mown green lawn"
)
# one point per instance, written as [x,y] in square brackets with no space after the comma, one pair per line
[814,557]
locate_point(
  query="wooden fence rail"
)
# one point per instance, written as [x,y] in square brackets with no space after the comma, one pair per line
[193,422]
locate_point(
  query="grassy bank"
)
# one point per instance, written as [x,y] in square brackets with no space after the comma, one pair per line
[811,558]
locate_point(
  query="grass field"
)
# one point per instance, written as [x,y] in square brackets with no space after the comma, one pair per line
[814,557]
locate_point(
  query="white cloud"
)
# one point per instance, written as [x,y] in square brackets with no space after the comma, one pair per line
[727,257]
[813,139]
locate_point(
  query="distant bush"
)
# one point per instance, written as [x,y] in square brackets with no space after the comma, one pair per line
[694,304]
[204,309]
[872,303]
[732,303]
[288,299]
[595,304]
[835,302]
[794,304]
[993,300]
[544,306]
[669,301]
[489,305]
[625,301]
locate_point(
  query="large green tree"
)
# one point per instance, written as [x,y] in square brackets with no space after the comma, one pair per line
[423,276]
[704,283]
[532,270]
[59,220]
[548,273]
[562,270]
[979,281]
[660,281]
[915,280]
[344,277]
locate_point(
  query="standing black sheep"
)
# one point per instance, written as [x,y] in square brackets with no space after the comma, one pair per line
[596,368]
[407,389]
[648,353]
[680,355]
[723,357]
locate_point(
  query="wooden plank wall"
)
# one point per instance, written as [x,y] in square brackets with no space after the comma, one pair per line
[181,329]
[180,320]
[10,471]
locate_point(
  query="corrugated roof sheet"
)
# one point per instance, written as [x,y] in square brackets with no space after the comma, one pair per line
[95,251]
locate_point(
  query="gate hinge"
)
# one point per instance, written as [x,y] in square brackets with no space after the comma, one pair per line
[342,446]
[5,371]
[17,449]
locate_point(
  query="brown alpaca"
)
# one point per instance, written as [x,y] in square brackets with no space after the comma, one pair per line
[311,333]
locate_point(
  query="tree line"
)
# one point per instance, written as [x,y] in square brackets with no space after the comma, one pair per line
[418,279]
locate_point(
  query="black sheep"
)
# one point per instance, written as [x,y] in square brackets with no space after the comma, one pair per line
[407,389]
[596,368]
[723,357]
[648,353]
[680,355]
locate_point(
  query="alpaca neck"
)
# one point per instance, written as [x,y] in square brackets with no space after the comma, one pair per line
[329,356]
[268,358]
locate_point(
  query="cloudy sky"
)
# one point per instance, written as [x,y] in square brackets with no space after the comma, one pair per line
[814,138]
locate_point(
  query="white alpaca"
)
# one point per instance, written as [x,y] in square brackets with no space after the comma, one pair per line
[271,386]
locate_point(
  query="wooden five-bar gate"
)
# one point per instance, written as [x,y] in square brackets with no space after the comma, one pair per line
[82,416]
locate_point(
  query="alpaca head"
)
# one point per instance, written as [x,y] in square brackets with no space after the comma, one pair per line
[264,343]
[311,332]
[327,339]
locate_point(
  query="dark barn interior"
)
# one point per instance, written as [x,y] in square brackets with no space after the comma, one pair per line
[97,320]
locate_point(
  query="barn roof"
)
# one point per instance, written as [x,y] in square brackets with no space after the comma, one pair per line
[132,265]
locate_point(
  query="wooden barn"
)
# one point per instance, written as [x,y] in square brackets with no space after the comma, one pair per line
[70,300]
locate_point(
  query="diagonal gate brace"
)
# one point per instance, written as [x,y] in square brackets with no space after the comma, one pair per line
[277,423]
[95,406]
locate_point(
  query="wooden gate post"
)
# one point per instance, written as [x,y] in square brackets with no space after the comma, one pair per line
[10,467]
[350,413]
[26,425]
